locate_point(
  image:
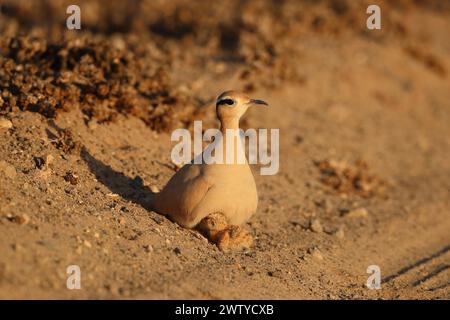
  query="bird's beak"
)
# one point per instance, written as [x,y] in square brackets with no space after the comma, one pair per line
[256,102]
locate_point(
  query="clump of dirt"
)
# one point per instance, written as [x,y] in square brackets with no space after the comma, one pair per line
[66,142]
[346,178]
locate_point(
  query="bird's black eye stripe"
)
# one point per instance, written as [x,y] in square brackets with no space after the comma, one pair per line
[225,101]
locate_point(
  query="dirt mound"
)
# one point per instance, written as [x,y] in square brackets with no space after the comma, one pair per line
[91,75]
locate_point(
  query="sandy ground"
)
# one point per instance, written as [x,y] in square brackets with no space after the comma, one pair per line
[364,155]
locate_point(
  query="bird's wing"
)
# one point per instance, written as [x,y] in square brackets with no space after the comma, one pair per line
[182,194]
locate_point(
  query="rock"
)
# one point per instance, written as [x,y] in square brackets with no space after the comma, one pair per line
[20,219]
[5,123]
[275,273]
[49,160]
[315,226]
[112,195]
[39,162]
[93,125]
[122,220]
[71,177]
[177,251]
[154,189]
[158,219]
[148,248]
[315,253]
[8,170]
[87,244]
[340,233]
[358,213]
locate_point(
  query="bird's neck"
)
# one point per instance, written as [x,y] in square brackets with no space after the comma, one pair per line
[229,128]
[228,123]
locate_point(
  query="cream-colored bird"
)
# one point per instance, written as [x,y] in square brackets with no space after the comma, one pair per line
[215,198]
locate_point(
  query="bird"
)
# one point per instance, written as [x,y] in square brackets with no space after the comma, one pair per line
[215,198]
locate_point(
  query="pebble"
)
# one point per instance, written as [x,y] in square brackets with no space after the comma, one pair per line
[358,213]
[87,244]
[20,219]
[315,253]
[122,220]
[8,169]
[49,159]
[275,273]
[71,177]
[39,162]
[154,189]
[5,123]
[148,248]
[315,226]
[340,233]
[177,251]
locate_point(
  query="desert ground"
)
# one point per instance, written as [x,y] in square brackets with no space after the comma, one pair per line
[86,118]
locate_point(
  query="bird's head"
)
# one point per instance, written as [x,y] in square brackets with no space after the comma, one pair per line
[231,105]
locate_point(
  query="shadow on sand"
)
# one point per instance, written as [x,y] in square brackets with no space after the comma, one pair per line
[128,188]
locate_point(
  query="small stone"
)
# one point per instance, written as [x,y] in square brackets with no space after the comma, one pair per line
[92,125]
[315,253]
[275,273]
[177,251]
[49,160]
[148,248]
[358,213]
[87,244]
[71,177]
[154,189]
[17,247]
[316,226]
[122,220]
[112,195]
[340,233]
[158,219]
[39,162]
[5,123]
[8,169]
[21,219]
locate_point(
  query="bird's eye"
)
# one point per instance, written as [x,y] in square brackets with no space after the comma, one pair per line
[228,102]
